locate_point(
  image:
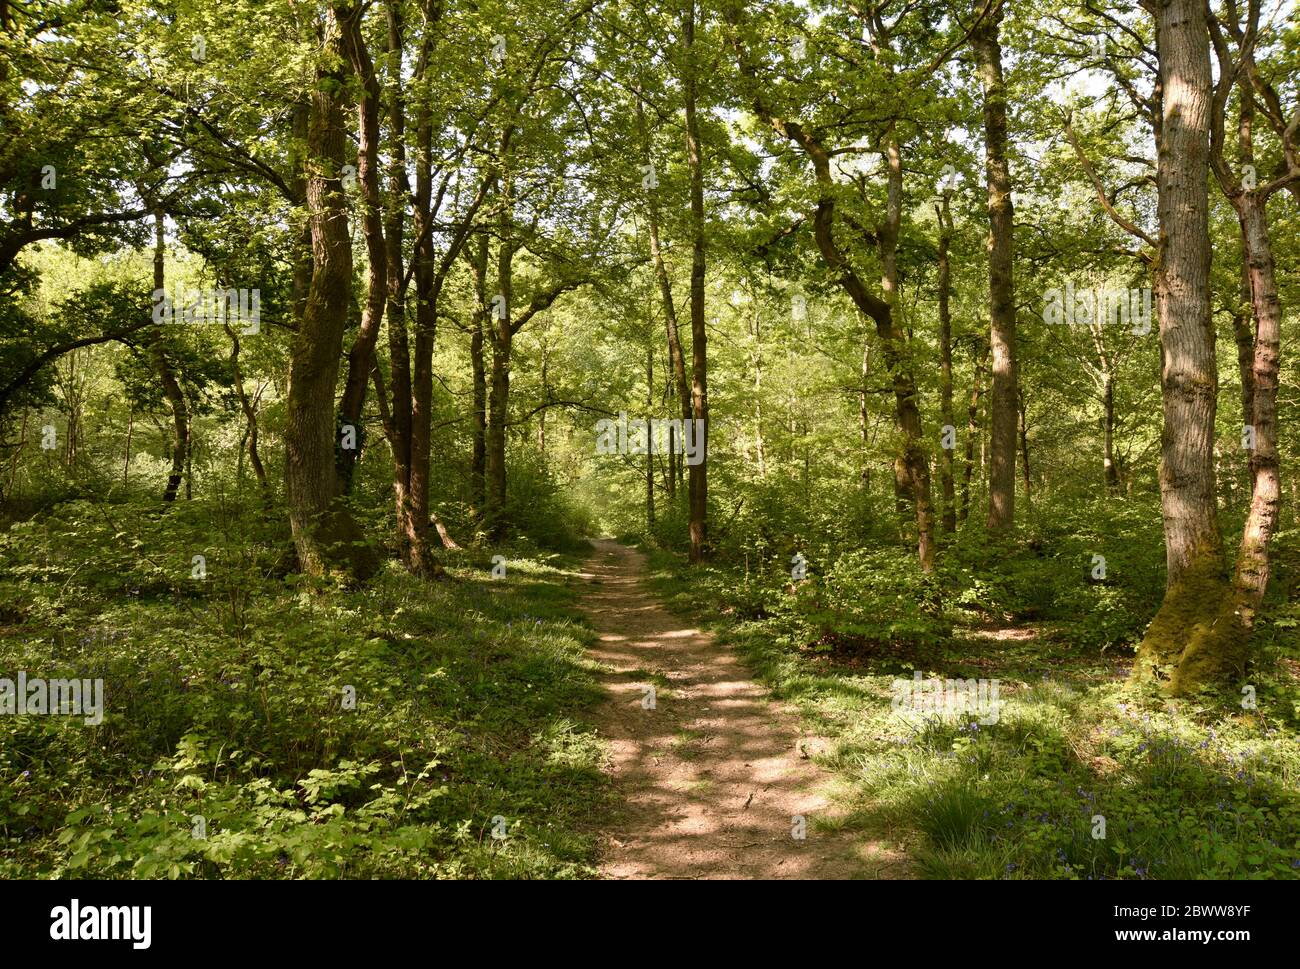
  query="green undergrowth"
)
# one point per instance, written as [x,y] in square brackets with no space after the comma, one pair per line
[257,725]
[1079,775]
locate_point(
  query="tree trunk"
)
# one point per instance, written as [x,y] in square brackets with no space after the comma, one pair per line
[1024,444]
[422,561]
[1242,316]
[1192,638]
[911,461]
[1003,394]
[126,461]
[428,283]
[676,359]
[541,414]
[649,451]
[945,366]
[1110,470]
[482,317]
[361,358]
[972,431]
[250,414]
[760,446]
[323,532]
[398,424]
[864,425]
[301,254]
[699,496]
[1244,336]
[1259,381]
[1251,578]
[1104,377]
[881,311]
[166,375]
[499,384]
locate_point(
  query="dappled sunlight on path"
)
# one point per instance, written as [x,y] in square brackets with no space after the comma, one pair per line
[714,778]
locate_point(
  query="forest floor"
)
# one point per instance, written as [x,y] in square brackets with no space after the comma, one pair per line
[467,754]
[712,777]
[498,728]
[1079,775]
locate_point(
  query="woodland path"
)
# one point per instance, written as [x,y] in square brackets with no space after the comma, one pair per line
[711,780]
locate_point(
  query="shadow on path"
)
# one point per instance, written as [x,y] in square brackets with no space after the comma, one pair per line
[713,779]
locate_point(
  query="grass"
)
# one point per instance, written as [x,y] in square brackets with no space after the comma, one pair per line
[228,748]
[688,744]
[231,745]
[1081,776]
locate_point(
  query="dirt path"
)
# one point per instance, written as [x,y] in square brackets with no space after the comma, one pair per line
[713,778]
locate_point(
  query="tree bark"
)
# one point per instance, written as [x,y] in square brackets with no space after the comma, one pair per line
[482,318]
[698,473]
[1243,329]
[1110,471]
[912,467]
[427,286]
[361,357]
[398,426]
[676,359]
[972,432]
[301,254]
[864,424]
[502,337]
[944,213]
[1024,444]
[166,375]
[1191,637]
[649,451]
[1003,393]
[323,531]
[1251,578]
[250,414]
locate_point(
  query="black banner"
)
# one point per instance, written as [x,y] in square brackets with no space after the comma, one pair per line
[141,920]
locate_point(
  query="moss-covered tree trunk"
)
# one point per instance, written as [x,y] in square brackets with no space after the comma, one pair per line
[324,533]
[1193,637]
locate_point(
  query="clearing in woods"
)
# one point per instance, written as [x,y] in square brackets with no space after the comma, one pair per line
[712,779]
